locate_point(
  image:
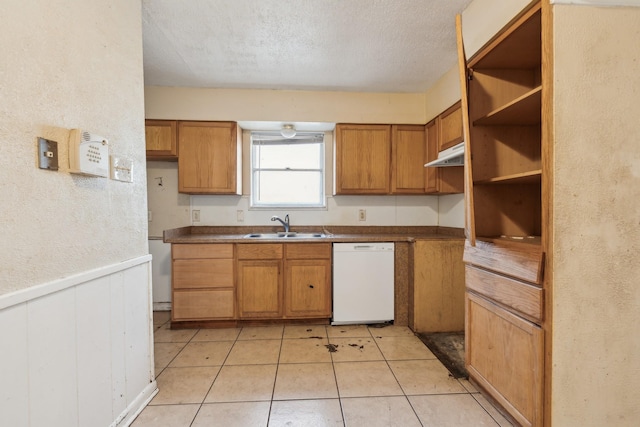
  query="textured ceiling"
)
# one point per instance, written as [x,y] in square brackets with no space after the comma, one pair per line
[328,45]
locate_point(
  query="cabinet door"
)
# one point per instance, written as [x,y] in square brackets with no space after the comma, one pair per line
[450,125]
[209,161]
[504,354]
[442,180]
[407,159]
[308,288]
[259,289]
[161,139]
[438,286]
[363,158]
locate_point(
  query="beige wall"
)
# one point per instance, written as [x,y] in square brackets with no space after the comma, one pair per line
[72,64]
[596,342]
[282,105]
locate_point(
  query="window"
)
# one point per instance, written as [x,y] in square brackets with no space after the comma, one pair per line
[287,172]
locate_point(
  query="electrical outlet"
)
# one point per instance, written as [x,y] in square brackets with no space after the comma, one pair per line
[240,215]
[362,215]
[195,215]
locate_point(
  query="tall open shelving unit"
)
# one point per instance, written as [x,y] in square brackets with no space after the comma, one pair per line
[503,87]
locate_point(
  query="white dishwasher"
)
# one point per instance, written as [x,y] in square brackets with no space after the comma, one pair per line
[363,283]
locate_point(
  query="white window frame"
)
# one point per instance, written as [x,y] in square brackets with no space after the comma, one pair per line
[255,203]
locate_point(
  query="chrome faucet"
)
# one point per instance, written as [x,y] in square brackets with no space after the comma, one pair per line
[284,223]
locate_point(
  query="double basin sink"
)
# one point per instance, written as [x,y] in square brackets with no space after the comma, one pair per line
[284,235]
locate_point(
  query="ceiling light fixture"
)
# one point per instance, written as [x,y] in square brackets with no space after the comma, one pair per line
[288,131]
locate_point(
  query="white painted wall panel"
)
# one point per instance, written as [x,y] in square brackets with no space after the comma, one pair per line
[53,375]
[138,326]
[14,386]
[119,398]
[93,313]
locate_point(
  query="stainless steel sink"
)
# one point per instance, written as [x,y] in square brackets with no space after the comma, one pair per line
[283,235]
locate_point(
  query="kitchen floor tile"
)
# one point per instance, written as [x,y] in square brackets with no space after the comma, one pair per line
[348,331]
[323,412]
[165,352]
[261,333]
[305,331]
[403,348]
[202,354]
[355,350]
[450,410]
[226,334]
[184,385]
[495,414]
[379,411]
[391,331]
[305,381]
[161,317]
[239,414]
[364,379]
[467,385]
[424,377]
[254,352]
[281,375]
[305,350]
[166,415]
[243,383]
[166,334]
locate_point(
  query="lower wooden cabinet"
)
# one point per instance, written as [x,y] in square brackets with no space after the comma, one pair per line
[437,296]
[505,356]
[259,289]
[203,283]
[284,281]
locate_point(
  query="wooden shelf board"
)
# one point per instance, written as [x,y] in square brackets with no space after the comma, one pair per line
[524,110]
[531,240]
[529,177]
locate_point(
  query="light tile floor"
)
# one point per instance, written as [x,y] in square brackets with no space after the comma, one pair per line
[286,376]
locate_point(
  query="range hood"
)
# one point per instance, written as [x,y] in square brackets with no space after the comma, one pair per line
[453,156]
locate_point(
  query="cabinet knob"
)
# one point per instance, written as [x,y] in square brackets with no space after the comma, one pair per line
[311,286]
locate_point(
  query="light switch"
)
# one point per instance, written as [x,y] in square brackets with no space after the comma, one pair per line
[121,169]
[47,154]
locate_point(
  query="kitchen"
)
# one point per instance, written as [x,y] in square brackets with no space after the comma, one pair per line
[594,207]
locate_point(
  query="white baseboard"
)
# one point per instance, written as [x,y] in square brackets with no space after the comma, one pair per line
[161,306]
[137,405]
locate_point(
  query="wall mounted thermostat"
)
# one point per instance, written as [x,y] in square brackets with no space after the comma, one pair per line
[88,154]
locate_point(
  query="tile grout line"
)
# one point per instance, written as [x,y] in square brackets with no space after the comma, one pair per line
[275,379]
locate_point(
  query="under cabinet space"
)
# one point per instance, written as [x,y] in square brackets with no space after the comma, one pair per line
[507,210]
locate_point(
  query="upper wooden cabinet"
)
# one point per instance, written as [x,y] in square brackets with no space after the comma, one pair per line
[450,127]
[443,180]
[362,159]
[161,139]
[210,158]
[407,159]
[504,143]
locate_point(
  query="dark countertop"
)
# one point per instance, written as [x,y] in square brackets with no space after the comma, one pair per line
[333,234]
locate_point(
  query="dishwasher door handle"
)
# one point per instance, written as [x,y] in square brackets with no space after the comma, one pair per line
[363,247]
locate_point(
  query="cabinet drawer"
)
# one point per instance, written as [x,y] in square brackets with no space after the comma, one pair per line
[525,299]
[203,250]
[202,273]
[522,261]
[259,251]
[308,251]
[202,305]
